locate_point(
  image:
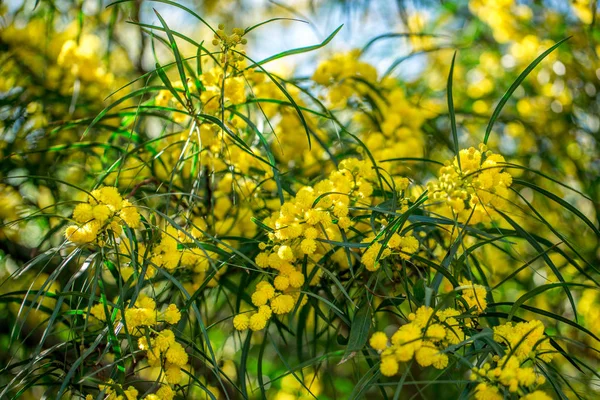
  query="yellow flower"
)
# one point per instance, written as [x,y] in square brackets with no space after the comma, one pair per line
[296,279]
[474,295]
[176,354]
[388,366]
[308,246]
[101,212]
[260,298]
[172,314]
[164,340]
[379,341]
[241,322]
[286,253]
[262,260]
[281,282]
[129,214]
[98,311]
[282,304]
[173,374]
[484,391]
[165,393]
[537,395]
[258,321]
[83,213]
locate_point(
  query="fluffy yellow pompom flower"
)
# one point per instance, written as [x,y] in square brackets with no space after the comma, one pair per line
[265,311]
[84,234]
[267,288]
[311,233]
[164,393]
[379,341]
[308,246]
[296,279]
[484,391]
[388,366]
[83,213]
[258,322]
[282,304]
[281,282]
[241,322]
[172,314]
[101,212]
[129,214]
[173,374]
[164,340]
[260,298]
[110,196]
[176,354]
[474,295]
[262,260]
[105,211]
[286,253]
[537,395]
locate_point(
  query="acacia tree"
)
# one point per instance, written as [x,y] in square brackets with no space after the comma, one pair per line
[181,221]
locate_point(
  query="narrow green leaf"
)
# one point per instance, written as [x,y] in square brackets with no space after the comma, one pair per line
[359,332]
[514,87]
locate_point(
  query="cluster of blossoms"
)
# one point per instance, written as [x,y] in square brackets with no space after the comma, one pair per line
[219,88]
[299,232]
[402,246]
[112,391]
[474,295]
[162,351]
[424,338]
[472,186]
[525,342]
[228,43]
[178,250]
[141,314]
[83,62]
[429,332]
[105,211]
[391,126]
[344,75]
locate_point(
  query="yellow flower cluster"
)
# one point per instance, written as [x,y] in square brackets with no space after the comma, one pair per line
[290,144]
[165,352]
[104,211]
[398,132]
[300,228]
[474,295]
[344,76]
[587,307]
[525,341]
[424,338]
[402,246]
[161,349]
[10,201]
[228,43]
[218,88]
[503,16]
[83,61]
[472,186]
[111,390]
[144,313]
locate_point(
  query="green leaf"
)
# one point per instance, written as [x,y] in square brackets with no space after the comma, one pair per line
[299,50]
[514,87]
[359,332]
[451,111]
